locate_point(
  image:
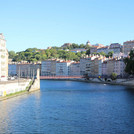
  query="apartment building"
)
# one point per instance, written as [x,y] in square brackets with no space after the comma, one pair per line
[3,59]
[23,69]
[103,49]
[104,69]
[128,46]
[119,67]
[90,65]
[63,68]
[48,68]
[96,66]
[85,65]
[74,69]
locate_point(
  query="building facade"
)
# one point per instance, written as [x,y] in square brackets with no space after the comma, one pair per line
[48,68]
[128,46]
[84,66]
[119,67]
[104,69]
[74,69]
[63,68]
[3,58]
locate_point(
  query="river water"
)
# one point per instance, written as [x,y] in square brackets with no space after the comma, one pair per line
[68,107]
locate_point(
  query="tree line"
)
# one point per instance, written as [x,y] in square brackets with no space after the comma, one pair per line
[34,54]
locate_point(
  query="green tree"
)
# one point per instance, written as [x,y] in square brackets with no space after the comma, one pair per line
[74,45]
[87,46]
[113,76]
[82,46]
[48,53]
[12,54]
[102,53]
[38,57]
[110,54]
[53,52]
[129,62]
[88,51]
[43,57]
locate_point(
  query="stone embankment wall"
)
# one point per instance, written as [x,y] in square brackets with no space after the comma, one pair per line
[36,84]
[126,82]
[16,86]
[10,87]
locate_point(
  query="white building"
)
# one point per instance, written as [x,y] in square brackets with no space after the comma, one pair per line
[3,58]
[48,68]
[62,68]
[119,67]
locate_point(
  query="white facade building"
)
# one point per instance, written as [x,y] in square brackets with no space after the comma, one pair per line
[62,68]
[119,67]
[3,58]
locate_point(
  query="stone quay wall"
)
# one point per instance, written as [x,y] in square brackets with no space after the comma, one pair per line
[14,86]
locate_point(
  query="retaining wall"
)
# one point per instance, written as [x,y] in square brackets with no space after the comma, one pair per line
[13,87]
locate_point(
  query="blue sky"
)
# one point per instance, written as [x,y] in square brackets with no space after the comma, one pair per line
[43,23]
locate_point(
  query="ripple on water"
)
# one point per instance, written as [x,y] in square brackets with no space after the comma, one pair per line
[66,107]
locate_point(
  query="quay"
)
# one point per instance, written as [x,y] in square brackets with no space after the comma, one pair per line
[12,88]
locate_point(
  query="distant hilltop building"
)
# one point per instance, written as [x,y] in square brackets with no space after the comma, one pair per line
[49,47]
[66,45]
[115,45]
[88,43]
[95,47]
[3,59]
[98,45]
[128,46]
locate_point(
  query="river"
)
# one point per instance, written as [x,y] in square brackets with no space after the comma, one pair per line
[69,107]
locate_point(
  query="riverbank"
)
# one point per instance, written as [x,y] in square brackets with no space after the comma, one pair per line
[125,82]
[28,89]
